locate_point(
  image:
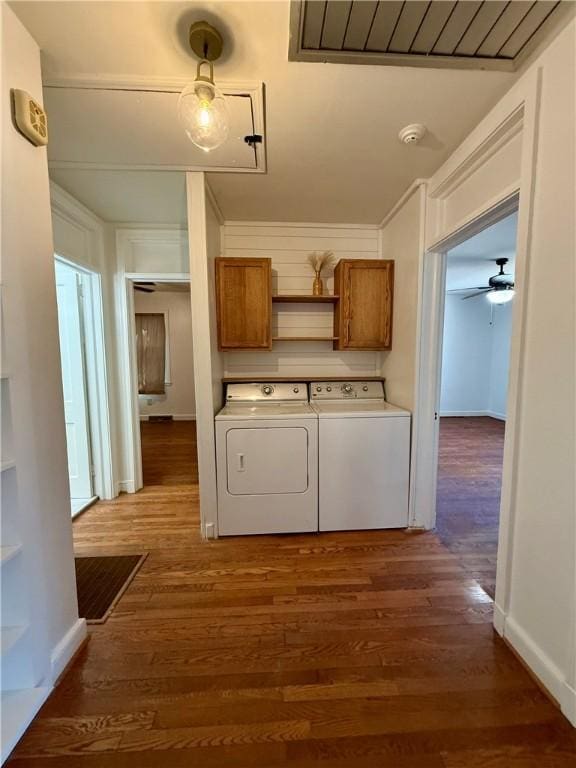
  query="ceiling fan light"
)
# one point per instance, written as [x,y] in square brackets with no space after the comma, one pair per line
[502,296]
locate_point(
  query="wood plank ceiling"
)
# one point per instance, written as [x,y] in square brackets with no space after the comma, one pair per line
[459,33]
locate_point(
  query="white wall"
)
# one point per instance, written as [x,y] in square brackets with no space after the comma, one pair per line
[475,357]
[402,241]
[179,398]
[288,246]
[31,334]
[541,620]
[536,585]
[204,240]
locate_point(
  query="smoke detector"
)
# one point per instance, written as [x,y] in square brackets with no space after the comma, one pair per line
[412,134]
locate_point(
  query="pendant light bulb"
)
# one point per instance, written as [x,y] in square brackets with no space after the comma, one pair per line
[203,112]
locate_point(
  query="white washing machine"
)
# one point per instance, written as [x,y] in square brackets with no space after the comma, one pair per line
[267,460]
[364,457]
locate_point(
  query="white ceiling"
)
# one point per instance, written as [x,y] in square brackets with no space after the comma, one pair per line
[472,263]
[332,147]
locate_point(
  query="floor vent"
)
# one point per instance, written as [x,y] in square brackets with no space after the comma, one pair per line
[161,418]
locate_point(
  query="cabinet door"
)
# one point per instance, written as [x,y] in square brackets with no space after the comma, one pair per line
[244,303]
[364,312]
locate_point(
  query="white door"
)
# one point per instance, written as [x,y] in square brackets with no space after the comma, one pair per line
[68,292]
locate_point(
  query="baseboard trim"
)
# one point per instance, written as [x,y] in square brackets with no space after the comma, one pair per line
[126,486]
[542,667]
[491,414]
[568,703]
[66,649]
[499,620]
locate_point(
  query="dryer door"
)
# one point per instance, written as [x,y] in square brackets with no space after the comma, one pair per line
[262,461]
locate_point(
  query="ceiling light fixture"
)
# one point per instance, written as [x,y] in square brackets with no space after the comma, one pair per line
[202,108]
[500,295]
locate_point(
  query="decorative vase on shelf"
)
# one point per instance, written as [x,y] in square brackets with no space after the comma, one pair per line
[318,261]
[317,287]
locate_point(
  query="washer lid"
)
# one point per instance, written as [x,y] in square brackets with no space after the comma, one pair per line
[357,409]
[266,410]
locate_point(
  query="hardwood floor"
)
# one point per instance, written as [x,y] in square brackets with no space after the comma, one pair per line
[468,498]
[344,650]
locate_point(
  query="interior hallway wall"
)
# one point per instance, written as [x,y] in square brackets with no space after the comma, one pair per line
[30,330]
[401,241]
[179,398]
[536,602]
[541,612]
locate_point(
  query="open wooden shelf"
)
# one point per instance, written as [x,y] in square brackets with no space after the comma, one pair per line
[306,299]
[305,338]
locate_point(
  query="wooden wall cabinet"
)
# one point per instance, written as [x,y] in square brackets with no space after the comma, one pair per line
[363,314]
[244,303]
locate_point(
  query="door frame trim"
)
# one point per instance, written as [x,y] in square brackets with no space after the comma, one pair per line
[522,102]
[128,380]
[94,350]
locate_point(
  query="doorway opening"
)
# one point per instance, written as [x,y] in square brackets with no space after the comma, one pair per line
[83,363]
[165,382]
[476,335]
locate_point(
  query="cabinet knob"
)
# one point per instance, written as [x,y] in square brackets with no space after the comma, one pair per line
[267,389]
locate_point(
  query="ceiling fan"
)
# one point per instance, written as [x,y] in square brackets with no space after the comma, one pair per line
[145,287]
[500,288]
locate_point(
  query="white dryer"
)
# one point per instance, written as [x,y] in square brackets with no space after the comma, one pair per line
[267,460]
[364,457]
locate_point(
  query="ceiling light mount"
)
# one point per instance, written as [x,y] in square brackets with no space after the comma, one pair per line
[205,41]
[412,134]
[202,108]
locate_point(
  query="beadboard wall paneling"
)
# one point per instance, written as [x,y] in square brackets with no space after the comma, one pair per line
[288,245]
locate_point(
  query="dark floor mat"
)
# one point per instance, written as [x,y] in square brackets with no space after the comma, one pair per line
[101,581]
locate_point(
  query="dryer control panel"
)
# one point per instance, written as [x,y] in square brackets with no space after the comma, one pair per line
[259,391]
[347,390]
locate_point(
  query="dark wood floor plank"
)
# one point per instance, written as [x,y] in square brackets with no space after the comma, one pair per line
[339,650]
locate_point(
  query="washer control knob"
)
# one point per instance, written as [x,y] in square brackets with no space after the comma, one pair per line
[318,389]
[365,388]
[296,390]
[347,388]
[328,389]
[267,389]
